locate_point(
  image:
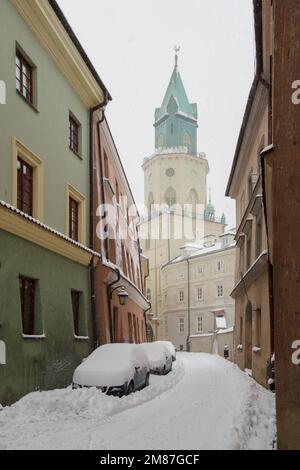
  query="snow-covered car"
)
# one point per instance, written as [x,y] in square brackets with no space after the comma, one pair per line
[170,346]
[159,357]
[116,369]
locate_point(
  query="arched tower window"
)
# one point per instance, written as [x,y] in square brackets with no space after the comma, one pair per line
[161,141]
[193,200]
[170,197]
[150,204]
[187,140]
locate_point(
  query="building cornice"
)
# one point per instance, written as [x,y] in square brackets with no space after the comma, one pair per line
[67,54]
[256,105]
[24,226]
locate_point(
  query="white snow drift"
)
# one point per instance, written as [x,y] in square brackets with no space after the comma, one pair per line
[204,403]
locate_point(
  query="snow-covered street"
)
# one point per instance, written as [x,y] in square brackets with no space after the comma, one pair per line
[205,403]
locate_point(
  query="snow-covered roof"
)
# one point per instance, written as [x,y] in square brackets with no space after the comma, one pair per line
[46,227]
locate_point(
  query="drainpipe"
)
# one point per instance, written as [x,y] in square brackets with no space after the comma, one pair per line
[91,228]
[188,343]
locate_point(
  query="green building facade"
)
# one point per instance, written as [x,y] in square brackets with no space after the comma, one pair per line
[44,145]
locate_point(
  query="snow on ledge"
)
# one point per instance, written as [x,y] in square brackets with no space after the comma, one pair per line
[239,347]
[49,229]
[256,349]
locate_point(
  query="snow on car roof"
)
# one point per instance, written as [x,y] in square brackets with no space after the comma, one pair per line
[110,365]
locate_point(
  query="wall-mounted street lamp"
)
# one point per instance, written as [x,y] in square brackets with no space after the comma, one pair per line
[122,294]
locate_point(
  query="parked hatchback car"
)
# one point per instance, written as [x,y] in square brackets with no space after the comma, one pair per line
[116,369]
[170,346]
[159,357]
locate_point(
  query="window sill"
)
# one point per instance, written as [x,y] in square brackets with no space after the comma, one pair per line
[34,336]
[31,105]
[76,153]
[256,349]
[82,338]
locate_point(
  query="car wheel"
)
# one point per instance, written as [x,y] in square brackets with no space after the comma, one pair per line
[164,370]
[130,388]
[147,381]
[171,367]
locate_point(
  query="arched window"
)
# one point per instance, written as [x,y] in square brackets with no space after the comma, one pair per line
[193,200]
[170,197]
[186,140]
[150,204]
[161,141]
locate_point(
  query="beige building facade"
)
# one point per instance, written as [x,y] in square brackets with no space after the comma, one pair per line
[196,302]
[253,325]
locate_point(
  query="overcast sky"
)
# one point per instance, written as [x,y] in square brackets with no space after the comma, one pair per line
[130,43]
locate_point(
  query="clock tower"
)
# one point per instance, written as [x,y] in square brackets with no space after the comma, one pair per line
[175,183]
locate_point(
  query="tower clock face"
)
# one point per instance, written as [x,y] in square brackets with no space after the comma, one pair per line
[170,172]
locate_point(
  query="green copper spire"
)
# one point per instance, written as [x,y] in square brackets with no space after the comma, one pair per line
[176,120]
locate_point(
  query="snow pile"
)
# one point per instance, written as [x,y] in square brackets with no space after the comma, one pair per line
[48,420]
[205,403]
[110,365]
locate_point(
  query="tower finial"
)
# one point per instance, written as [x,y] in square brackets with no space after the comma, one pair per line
[176,49]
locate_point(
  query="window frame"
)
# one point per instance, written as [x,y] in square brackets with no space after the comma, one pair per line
[72,193]
[20,151]
[22,281]
[21,166]
[181,322]
[26,64]
[74,144]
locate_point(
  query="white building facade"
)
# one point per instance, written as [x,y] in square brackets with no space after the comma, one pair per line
[196,302]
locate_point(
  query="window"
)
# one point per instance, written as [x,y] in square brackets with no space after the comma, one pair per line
[258,236]
[170,197]
[116,324]
[117,192]
[78,319]
[220,290]
[199,324]
[75,215]
[106,167]
[166,328]
[124,261]
[199,270]
[241,329]
[179,276]
[24,77]
[166,298]
[219,266]
[28,310]
[25,187]
[248,251]
[135,329]
[181,325]
[73,219]
[187,140]
[180,296]
[130,328]
[74,128]
[199,294]
[149,295]
[258,327]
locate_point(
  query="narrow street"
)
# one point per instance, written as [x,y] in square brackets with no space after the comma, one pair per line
[205,403]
